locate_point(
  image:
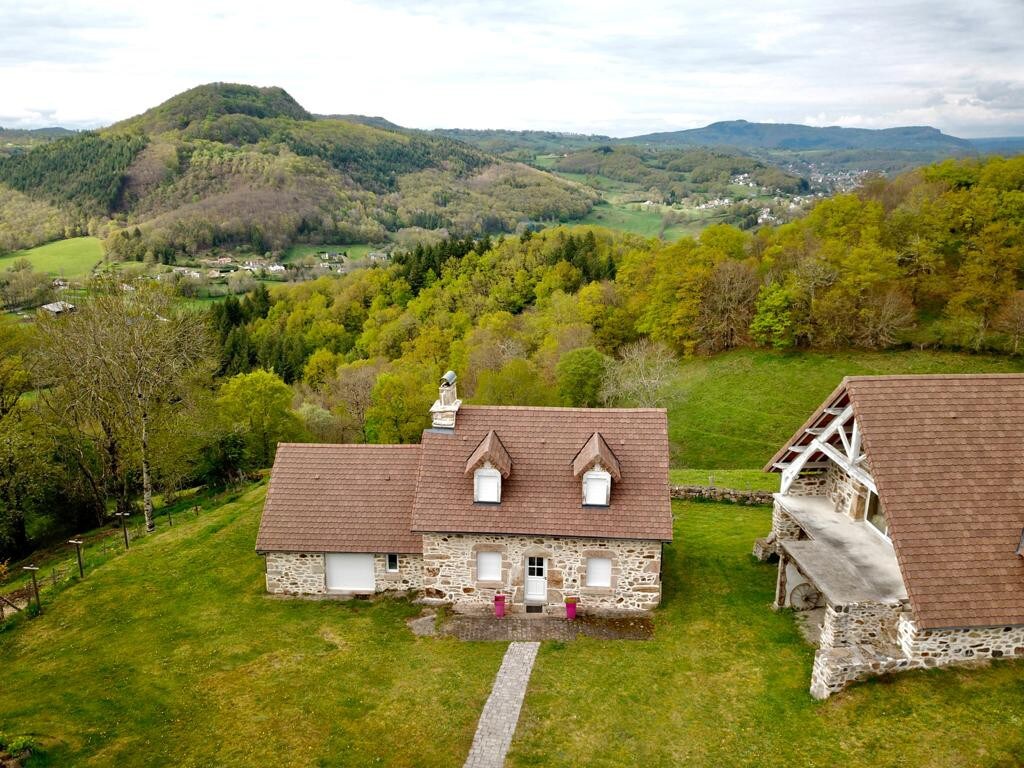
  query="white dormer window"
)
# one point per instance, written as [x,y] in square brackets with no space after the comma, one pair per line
[597,488]
[487,485]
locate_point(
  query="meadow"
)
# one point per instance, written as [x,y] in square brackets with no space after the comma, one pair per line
[172,654]
[355,251]
[735,410]
[74,258]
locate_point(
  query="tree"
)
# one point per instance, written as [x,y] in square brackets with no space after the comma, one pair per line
[642,376]
[128,358]
[350,395]
[727,306]
[258,405]
[773,317]
[515,383]
[400,406]
[579,377]
[1010,320]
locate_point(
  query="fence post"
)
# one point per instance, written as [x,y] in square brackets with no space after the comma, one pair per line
[124,526]
[78,551]
[35,585]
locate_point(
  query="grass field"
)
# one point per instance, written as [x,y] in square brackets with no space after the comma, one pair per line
[355,251]
[74,258]
[172,654]
[735,410]
[642,222]
[741,479]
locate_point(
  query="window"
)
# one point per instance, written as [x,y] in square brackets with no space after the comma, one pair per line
[874,513]
[392,564]
[488,566]
[597,485]
[599,572]
[535,567]
[487,485]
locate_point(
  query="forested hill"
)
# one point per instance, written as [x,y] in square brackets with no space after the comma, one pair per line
[235,165]
[790,136]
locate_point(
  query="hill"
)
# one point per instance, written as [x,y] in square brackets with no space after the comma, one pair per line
[794,137]
[235,166]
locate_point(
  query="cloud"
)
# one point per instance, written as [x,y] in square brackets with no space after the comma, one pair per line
[579,65]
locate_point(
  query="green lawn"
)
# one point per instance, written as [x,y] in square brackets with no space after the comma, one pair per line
[724,683]
[740,479]
[172,654]
[735,410]
[629,218]
[74,258]
[356,251]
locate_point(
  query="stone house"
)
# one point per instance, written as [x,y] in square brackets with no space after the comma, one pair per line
[899,523]
[536,504]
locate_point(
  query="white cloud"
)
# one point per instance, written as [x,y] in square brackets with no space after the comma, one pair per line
[594,66]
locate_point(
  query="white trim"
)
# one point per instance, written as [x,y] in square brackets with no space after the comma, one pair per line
[593,477]
[848,461]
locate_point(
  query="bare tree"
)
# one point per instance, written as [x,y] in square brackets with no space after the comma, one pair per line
[349,395]
[727,306]
[128,355]
[643,376]
[1010,319]
[882,317]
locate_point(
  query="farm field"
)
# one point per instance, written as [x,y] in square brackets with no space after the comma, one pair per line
[72,258]
[734,411]
[356,251]
[647,223]
[153,660]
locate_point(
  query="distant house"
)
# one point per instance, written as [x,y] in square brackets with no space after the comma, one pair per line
[277,268]
[900,520]
[58,308]
[535,504]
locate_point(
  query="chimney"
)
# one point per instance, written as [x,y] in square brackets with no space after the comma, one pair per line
[443,411]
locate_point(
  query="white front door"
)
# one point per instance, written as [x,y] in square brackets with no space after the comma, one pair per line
[350,572]
[536,580]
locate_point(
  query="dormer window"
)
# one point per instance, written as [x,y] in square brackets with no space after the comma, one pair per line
[596,466]
[487,485]
[597,488]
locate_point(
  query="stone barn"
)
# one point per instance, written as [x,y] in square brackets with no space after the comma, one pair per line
[899,523]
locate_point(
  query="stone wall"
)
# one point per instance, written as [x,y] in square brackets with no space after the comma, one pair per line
[844,492]
[868,623]
[304,573]
[289,573]
[944,646]
[809,484]
[714,493]
[409,574]
[449,571]
[837,667]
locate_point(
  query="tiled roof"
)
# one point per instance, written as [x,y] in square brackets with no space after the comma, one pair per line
[541,495]
[947,455]
[596,451]
[341,498]
[490,450]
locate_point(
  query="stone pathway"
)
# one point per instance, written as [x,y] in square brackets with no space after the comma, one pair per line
[501,712]
[533,628]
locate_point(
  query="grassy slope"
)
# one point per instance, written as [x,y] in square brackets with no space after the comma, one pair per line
[173,655]
[735,410]
[724,683]
[73,258]
[355,251]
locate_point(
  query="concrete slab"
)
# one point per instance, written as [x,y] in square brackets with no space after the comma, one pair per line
[846,559]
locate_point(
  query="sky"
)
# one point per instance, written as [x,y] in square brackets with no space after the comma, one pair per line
[587,66]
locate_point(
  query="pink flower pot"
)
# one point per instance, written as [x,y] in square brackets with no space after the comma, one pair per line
[570,611]
[499,606]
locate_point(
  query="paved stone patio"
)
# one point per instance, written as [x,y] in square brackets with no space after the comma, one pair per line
[534,628]
[501,712]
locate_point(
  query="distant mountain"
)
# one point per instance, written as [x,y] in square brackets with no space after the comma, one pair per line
[226,165]
[801,138]
[1006,145]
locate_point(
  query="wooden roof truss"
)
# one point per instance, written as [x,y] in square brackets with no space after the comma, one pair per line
[832,436]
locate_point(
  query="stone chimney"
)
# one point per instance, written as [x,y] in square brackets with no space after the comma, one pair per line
[442,412]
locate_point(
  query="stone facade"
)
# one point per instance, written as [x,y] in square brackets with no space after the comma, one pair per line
[846,494]
[449,571]
[290,573]
[809,484]
[868,623]
[945,646]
